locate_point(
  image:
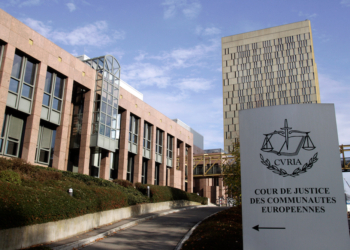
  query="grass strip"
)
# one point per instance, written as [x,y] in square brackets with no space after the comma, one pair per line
[220,231]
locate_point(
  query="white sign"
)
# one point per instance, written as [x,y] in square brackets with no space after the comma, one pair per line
[292,186]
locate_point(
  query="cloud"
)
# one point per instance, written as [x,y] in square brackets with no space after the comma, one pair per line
[345,3]
[192,10]
[207,31]
[189,8]
[38,26]
[140,57]
[146,74]
[307,15]
[195,84]
[117,53]
[161,70]
[119,35]
[94,34]
[20,3]
[71,7]
[188,111]
[187,57]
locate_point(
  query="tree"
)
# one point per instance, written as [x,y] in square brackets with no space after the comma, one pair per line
[231,169]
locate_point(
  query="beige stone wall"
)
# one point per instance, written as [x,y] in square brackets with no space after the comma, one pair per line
[18,36]
[274,66]
[146,113]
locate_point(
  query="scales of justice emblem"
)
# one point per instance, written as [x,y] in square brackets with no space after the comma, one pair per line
[287,142]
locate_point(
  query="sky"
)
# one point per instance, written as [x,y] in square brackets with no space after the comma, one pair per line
[170,50]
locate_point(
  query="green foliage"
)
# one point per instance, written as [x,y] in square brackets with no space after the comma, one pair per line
[43,197]
[165,193]
[123,183]
[232,174]
[10,176]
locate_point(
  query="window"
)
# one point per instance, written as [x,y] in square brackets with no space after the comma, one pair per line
[113,174]
[156,174]
[2,48]
[22,82]
[53,96]
[130,168]
[133,129]
[11,135]
[169,150]
[144,171]
[45,145]
[147,135]
[159,142]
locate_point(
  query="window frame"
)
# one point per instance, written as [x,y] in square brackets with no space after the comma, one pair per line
[159,142]
[39,146]
[21,80]
[5,138]
[52,96]
[147,136]
[169,150]
[134,129]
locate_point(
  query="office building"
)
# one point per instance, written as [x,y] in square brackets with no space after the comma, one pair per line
[274,66]
[75,114]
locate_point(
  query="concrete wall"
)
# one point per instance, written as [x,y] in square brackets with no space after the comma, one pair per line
[21,237]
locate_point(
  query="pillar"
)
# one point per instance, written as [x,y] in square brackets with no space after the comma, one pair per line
[162,168]
[138,157]
[190,170]
[172,176]
[60,156]
[33,120]
[105,164]
[182,157]
[84,152]
[123,144]
[152,163]
[5,75]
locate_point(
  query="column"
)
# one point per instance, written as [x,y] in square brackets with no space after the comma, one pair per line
[123,145]
[162,168]
[138,157]
[84,152]
[105,164]
[172,176]
[33,120]
[5,75]
[152,163]
[182,164]
[190,170]
[60,156]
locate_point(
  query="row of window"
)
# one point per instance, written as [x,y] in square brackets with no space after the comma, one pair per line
[280,58]
[271,94]
[147,137]
[272,102]
[20,97]
[256,71]
[301,38]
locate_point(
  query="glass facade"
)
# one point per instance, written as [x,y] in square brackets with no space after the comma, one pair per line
[104,123]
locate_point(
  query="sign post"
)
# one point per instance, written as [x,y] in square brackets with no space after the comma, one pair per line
[292,189]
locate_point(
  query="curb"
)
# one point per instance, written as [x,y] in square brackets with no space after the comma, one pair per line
[187,236]
[90,240]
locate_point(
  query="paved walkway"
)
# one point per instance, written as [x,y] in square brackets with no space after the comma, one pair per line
[160,233]
[163,231]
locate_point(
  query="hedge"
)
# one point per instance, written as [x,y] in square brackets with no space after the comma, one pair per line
[41,194]
[165,193]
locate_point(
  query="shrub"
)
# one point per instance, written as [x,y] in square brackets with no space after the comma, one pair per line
[123,183]
[165,193]
[10,176]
